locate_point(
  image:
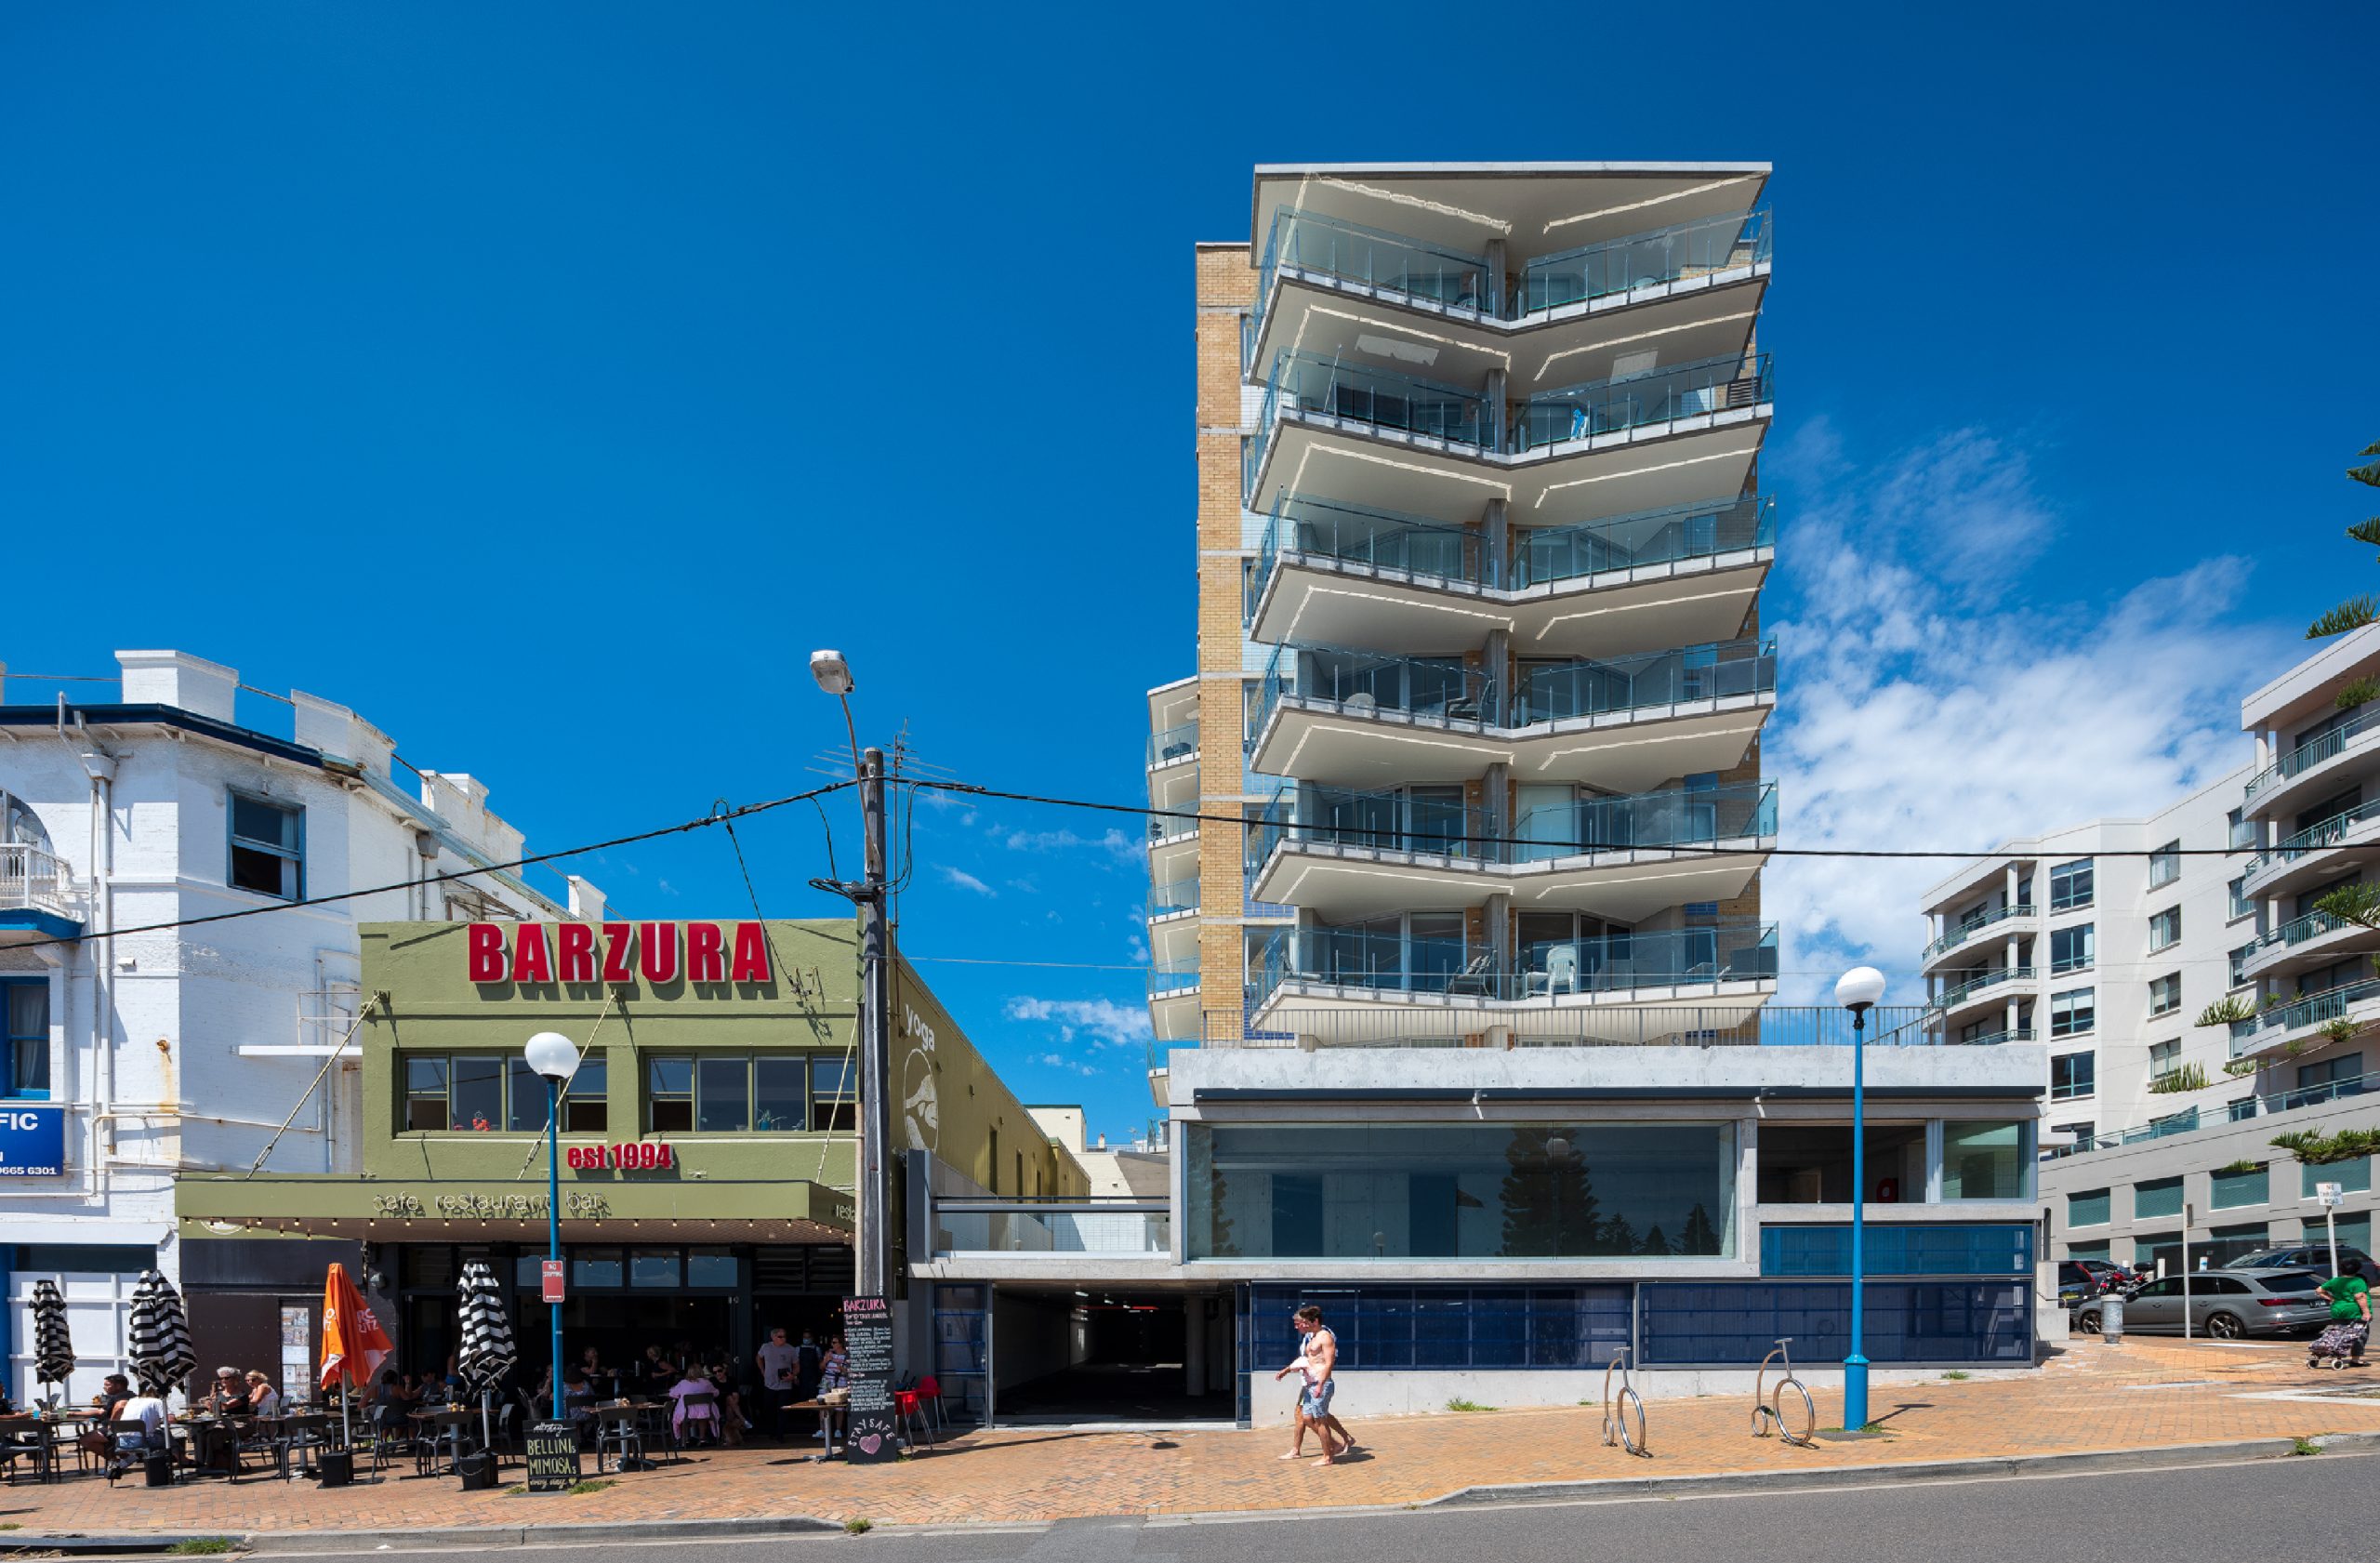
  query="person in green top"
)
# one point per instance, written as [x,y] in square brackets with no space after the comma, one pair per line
[2342,1343]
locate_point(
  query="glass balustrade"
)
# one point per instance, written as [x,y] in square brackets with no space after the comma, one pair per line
[2314,838]
[1446,965]
[1370,259]
[1711,385]
[1375,540]
[1181,895]
[1587,687]
[1087,1228]
[1646,821]
[1173,743]
[1436,820]
[1437,689]
[1172,976]
[1682,251]
[1961,992]
[1974,926]
[2315,750]
[1664,536]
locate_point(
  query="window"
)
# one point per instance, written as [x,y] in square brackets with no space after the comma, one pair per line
[2073,1014]
[585,1108]
[992,1161]
[2071,949]
[2231,1189]
[2092,1207]
[2099,1250]
[2165,865]
[2069,885]
[2080,1133]
[2228,1243]
[2240,965]
[2164,1055]
[2353,1177]
[2244,831]
[2241,904]
[741,1093]
[267,848]
[480,1094]
[2073,1074]
[2156,1196]
[2330,1071]
[24,1025]
[834,1095]
[2165,929]
[2165,994]
[1985,1160]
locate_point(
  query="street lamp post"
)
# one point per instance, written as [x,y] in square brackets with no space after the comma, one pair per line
[555,1059]
[1858,990]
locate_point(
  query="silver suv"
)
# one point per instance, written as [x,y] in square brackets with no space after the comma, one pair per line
[2225,1305]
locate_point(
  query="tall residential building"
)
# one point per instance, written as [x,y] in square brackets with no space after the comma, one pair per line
[2288,992]
[2103,943]
[1480,543]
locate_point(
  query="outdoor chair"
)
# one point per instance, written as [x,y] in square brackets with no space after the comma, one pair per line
[122,1459]
[909,1417]
[1473,979]
[618,1434]
[1561,969]
[702,1420]
[930,1393]
[22,1444]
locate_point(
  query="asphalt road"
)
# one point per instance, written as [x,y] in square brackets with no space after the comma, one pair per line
[2319,1506]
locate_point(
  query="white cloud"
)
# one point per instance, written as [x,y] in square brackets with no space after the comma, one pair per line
[1913,714]
[1123,848]
[1101,1021]
[1059,1061]
[966,880]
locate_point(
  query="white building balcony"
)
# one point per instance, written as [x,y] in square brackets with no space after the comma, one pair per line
[2304,942]
[2002,923]
[2317,769]
[1174,999]
[40,899]
[1359,718]
[2355,1006]
[2326,850]
[1979,991]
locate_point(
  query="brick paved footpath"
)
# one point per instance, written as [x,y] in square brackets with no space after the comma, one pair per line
[2137,1396]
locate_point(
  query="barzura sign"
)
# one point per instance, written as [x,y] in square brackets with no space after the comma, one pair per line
[614,952]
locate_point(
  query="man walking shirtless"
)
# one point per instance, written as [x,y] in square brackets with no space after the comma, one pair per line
[1317,1358]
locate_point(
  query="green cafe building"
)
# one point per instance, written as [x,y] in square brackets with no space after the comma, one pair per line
[708,1143]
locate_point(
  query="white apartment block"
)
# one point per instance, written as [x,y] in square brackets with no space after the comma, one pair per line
[136,1055]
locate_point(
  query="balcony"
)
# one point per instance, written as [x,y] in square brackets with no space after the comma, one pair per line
[1173,999]
[39,896]
[2003,920]
[1724,1024]
[2316,939]
[1365,971]
[1984,987]
[2298,1020]
[1380,438]
[1175,746]
[1051,1229]
[2274,1105]
[1333,715]
[1174,920]
[1707,272]
[2271,790]
[1346,853]
[1346,574]
[2313,855]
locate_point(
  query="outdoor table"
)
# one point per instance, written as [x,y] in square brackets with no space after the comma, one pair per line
[307,1431]
[828,1413]
[208,1439]
[15,1427]
[446,1425]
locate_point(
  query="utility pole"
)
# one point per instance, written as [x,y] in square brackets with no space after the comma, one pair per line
[873,1193]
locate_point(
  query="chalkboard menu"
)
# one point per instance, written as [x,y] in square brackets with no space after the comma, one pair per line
[553,1456]
[867,1339]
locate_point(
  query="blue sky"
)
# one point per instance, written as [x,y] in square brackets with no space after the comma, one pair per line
[546,380]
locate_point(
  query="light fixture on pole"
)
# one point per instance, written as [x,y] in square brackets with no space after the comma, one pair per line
[1857,990]
[555,1059]
[870,1187]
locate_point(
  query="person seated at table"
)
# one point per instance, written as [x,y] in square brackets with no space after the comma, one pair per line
[391,1401]
[590,1365]
[131,1447]
[452,1381]
[262,1397]
[230,1395]
[722,1374]
[652,1373]
[694,1409]
[114,1390]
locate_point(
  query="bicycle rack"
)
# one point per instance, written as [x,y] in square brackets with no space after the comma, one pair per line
[1615,1415]
[1769,1408]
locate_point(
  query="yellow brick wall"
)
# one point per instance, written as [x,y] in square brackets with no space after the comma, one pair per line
[1223,285]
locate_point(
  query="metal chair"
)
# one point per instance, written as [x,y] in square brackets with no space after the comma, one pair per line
[617,1433]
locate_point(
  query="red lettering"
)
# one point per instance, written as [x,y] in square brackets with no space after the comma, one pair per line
[751,962]
[487,952]
[658,960]
[619,952]
[530,961]
[575,952]
[666,1160]
[703,963]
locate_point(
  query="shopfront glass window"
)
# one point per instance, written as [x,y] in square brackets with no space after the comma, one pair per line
[1810,1163]
[670,1095]
[834,1095]
[649,1268]
[525,1094]
[710,1267]
[596,1267]
[587,1108]
[722,1095]
[780,1095]
[424,1094]
[475,1094]
[1983,1161]
[1389,1191]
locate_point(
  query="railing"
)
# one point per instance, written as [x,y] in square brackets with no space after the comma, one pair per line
[1380,540]
[1965,991]
[2178,1123]
[2296,931]
[1666,255]
[1438,689]
[1663,1026]
[37,880]
[1175,976]
[1427,822]
[2314,838]
[1166,900]
[1114,1227]
[1662,537]
[1587,688]
[1992,1038]
[2313,1010]
[2314,752]
[1381,262]
[1174,743]
[1970,928]
[1579,411]
[1446,967]
[2248,1107]
[1307,383]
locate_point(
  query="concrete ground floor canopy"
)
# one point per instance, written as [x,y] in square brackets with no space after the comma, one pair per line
[627,1209]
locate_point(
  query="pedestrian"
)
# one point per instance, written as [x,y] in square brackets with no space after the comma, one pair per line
[776,1361]
[1317,1360]
[807,1368]
[2341,1346]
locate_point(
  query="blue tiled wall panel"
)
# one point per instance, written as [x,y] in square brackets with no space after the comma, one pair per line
[1715,1324]
[1389,1327]
[1792,1253]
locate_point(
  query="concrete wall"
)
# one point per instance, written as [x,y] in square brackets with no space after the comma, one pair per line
[1412,1392]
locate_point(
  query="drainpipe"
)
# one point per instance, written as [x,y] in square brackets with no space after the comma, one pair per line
[99,766]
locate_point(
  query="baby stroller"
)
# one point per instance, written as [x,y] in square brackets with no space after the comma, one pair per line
[2339,1345]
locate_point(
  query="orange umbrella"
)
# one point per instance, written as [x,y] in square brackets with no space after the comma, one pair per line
[353,1344]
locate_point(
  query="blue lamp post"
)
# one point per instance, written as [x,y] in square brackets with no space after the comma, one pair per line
[1857,990]
[555,1057]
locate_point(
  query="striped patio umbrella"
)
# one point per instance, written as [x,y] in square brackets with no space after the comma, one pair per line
[162,1357]
[53,1346]
[488,1350]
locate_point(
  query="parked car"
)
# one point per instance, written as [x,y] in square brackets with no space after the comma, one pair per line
[2312,1256]
[2225,1305]
[2078,1283]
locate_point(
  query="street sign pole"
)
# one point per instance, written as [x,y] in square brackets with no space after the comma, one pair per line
[2332,1195]
[2186,1270]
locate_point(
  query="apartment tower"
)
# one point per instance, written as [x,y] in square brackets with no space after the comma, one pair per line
[1480,544]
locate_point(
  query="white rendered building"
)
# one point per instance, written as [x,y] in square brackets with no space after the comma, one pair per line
[132,1057]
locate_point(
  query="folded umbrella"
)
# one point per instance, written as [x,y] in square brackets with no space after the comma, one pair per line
[488,1350]
[161,1355]
[53,1344]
